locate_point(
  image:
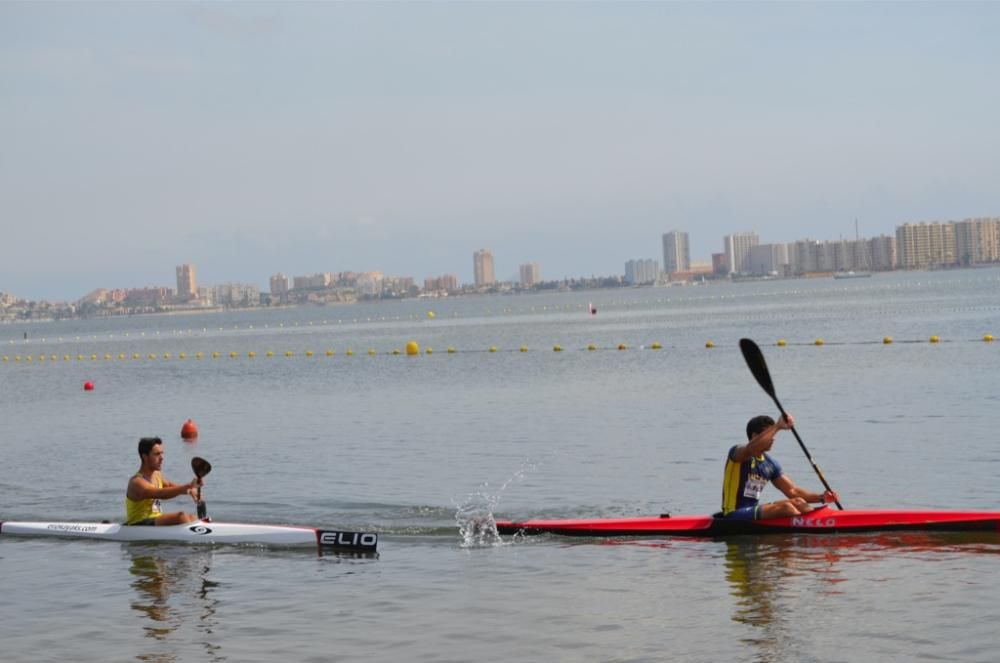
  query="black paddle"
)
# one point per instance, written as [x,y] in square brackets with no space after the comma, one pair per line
[755,360]
[201,467]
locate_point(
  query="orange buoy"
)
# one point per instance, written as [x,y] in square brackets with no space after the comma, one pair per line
[88,386]
[189,431]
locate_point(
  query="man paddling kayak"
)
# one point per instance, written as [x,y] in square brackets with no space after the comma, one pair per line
[148,487]
[749,468]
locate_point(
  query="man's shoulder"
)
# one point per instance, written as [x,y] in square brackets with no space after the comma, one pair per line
[138,478]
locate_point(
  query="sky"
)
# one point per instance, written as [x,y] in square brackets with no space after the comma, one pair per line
[255,138]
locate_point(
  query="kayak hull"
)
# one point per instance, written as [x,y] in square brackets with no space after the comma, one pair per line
[198,533]
[822,520]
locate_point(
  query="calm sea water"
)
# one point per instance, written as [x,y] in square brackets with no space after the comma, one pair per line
[417,447]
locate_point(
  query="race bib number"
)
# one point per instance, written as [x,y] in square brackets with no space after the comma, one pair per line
[754,487]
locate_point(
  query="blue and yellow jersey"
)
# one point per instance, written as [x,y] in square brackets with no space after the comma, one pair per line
[143,509]
[744,482]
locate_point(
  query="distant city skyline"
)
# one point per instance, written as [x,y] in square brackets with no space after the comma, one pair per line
[248,138]
[910,246]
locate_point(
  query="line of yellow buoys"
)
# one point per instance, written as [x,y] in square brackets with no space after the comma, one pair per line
[411,348]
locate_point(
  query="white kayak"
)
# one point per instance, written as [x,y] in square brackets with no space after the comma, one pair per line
[202,532]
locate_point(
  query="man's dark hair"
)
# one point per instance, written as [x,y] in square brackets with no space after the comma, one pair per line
[757,424]
[146,445]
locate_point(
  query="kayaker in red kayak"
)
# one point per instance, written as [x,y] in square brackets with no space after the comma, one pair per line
[148,487]
[749,468]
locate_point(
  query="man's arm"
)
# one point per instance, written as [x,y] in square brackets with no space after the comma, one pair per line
[141,489]
[785,484]
[759,442]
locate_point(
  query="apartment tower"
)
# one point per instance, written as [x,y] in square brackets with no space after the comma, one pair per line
[187,284]
[676,252]
[530,274]
[482,268]
[737,249]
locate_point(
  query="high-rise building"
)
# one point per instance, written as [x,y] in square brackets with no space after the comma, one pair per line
[642,271]
[446,282]
[530,274]
[187,285]
[925,245]
[977,241]
[737,249]
[883,252]
[768,259]
[279,284]
[676,252]
[482,267]
[279,288]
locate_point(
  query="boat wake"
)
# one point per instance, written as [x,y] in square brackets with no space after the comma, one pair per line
[477,525]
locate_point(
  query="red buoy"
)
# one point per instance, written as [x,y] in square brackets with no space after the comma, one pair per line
[189,431]
[88,386]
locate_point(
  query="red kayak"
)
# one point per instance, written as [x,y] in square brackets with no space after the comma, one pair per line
[822,520]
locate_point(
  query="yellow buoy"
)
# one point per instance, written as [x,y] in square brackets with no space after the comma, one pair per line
[430,314]
[451,350]
[198,355]
[493,348]
[309,353]
[349,353]
[886,340]
[412,348]
[591,347]
[136,355]
[429,351]
[557,348]
[93,357]
[251,354]
[988,338]
[288,353]
[182,355]
[215,355]
[781,343]
[371,352]
[166,355]
[709,344]
[233,355]
[269,353]
[329,353]
[818,341]
[655,346]
[524,348]
[396,351]
[935,339]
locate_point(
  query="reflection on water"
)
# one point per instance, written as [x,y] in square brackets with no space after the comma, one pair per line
[766,574]
[174,593]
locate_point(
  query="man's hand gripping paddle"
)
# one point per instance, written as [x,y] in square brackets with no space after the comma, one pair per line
[755,360]
[201,467]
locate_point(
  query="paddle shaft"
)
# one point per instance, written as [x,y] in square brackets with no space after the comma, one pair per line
[758,366]
[815,467]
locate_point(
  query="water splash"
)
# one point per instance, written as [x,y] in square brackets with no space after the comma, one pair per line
[477,525]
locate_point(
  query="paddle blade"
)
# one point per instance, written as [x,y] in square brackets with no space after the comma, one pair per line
[755,360]
[200,466]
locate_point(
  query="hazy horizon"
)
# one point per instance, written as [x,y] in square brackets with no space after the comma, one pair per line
[253,138]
